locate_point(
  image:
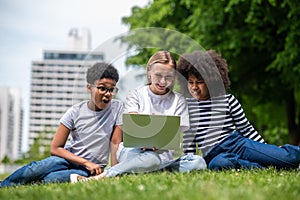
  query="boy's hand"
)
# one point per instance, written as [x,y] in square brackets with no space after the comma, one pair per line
[94,168]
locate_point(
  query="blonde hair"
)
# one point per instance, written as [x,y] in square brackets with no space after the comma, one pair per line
[162,57]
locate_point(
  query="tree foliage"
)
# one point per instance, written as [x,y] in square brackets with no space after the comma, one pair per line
[260,40]
[5,160]
[38,150]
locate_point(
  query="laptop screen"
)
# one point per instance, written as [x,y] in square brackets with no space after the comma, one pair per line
[148,131]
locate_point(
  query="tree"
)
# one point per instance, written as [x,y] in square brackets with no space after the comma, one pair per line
[259,39]
[5,160]
[40,149]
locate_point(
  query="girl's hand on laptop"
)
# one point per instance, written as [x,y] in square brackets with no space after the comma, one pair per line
[147,149]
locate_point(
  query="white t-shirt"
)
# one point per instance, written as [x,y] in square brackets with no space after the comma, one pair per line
[142,100]
[91,131]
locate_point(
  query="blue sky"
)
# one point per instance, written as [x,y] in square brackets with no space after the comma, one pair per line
[27,27]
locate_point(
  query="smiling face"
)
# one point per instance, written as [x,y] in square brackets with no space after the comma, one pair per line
[162,77]
[100,99]
[198,88]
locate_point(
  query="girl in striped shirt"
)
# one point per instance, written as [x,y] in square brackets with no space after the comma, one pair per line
[218,125]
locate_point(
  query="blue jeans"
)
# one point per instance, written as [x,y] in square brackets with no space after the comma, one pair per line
[48,170]
[237,151]
[185,163]
[134,160]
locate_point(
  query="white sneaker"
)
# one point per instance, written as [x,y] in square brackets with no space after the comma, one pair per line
[74,178]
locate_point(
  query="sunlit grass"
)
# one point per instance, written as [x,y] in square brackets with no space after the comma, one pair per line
[232,184]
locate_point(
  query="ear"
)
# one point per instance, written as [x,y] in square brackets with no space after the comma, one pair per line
[89,87]
[148,79]
[148,76]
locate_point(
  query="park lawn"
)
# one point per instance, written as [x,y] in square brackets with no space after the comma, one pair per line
[232,184]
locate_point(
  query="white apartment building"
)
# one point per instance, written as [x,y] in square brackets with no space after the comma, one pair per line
[11,115]
[58,81]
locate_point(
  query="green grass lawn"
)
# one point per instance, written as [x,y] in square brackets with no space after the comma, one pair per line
[233,184]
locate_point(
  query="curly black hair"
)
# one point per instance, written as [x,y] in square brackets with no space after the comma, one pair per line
[200,63]
[101,70]
[205,65]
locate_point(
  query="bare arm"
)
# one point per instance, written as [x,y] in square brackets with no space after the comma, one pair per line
[115,141]
[57,149]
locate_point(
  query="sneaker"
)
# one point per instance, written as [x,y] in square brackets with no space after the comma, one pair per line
[74,178]
[100,176]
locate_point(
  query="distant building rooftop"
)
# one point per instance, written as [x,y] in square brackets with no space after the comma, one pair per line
[72,55]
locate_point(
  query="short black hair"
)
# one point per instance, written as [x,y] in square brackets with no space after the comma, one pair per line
[101,70]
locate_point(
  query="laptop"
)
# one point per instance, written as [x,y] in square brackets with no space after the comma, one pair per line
[160,131]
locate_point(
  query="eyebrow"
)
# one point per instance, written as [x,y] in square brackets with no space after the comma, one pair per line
[103,84]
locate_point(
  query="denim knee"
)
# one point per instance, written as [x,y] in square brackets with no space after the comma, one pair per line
[150,160]
[223,162]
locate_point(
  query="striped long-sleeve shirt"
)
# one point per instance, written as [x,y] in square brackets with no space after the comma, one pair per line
[212,120]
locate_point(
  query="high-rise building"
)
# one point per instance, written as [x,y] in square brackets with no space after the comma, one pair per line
[11,115]
[58,81]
